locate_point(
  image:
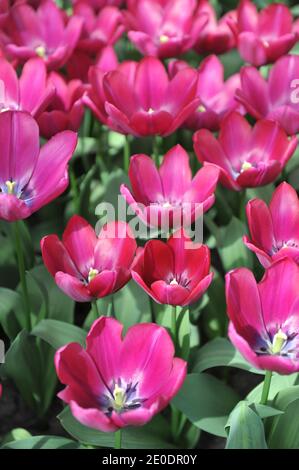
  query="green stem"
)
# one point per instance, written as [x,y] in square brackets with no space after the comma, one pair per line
[22,274]
[126,153]
[242,201]
[266,387]
[117,442]
[74,188]
[174,325]
[156,150]
[94,308]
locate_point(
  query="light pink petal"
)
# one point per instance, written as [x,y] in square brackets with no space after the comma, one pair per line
[73,287]
[92,418]
[56,257]
[12,208]
[175,173]
[151,83]
[145,179]
[284,208]
[260,224]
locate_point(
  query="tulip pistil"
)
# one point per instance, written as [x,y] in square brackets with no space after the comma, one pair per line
[278,342]
[119,395]
[10,186]
[174,282]
[201,108]
[246,166]
[41,51]
[150,110]
[163,38]
[92,274]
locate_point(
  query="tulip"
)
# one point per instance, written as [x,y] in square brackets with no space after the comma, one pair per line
[139,98]
[30,92]
[217,97]
[254,158]
[216,37]
[86,266]
[30,177]
[117,382]
[264,37]
[175,272]
[274,230]
[169,195]
[99,30]
[66,110]
[97,5]
[41,33]
[264,316]
[276,98]
[164,30]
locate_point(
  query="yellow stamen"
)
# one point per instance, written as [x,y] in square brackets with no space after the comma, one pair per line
[119,395]
[163,38]
[201,108]
[41,51]
[279,340]
[246,166]
[10,186]
[92,274]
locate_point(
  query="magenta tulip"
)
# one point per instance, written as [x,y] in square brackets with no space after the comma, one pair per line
[164,30]
[97,5]
[30,177]
[41,33]
[175,272]
[30,92]
[277,98]
[119,381]
[216,37]
[254,158]
[217,97]
[139,98]
[99,30]
[66,110]
[86,266]
[264,316]
[169,195]
[274,230]
[264,37]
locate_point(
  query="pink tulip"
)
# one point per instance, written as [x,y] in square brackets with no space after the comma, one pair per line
[264,37]
[42,33]
[175,272]
[117,382]
[246,157]
[217,97]
[86,266]
[274,230]
[30,92]
[139,98]
[30,177]
[99,30]
[97,5]
[66,110]
[216,37]
[169,194]
[164,30]
[264,316]
[276,98]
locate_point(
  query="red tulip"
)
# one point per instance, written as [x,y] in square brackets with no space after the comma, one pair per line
[264,37]
[264,316]
[169,195]
[30,176]
[217,97]
[274,230]
[66,110]
[86,266]
[246,157]
[164,30]
[276,98]
[139,98]
[174,273]
[118,380]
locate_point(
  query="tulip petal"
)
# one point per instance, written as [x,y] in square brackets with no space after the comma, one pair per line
[145,179]
[284,208]
[151,83]
[175,173]
[56,257]
[73,287]
[260,225]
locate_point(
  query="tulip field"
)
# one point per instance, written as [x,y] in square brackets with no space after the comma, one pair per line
[149,225]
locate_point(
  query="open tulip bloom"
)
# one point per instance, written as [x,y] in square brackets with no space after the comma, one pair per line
[117,382]
[264,37]
[264,316]
[168,196]
[274,230]
[30,176]
[174,273]
[86,266]
[275,98]
[255,158]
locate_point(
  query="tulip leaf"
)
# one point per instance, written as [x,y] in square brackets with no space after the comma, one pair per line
[284,432]
[278,382]
[214,313]
[245,429]
[221,352]
[233,252]
[12,317]
[58,333]
[207,402]
[43,442]
[151,436]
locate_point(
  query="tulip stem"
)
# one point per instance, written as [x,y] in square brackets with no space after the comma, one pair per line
[174,325]
[117,442]
[126,153]
[266,387]
[22,274]
[156,150]
[95,310]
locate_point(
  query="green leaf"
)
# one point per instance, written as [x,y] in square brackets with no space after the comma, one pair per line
[233,252]
[16,434]
[58,333]
[207,402]
[214,313]
[265,411]
[246,430]
[221,352]
[12,316]
[85,146]
[284,433]
[151,436]
[43,442]
[278,382]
